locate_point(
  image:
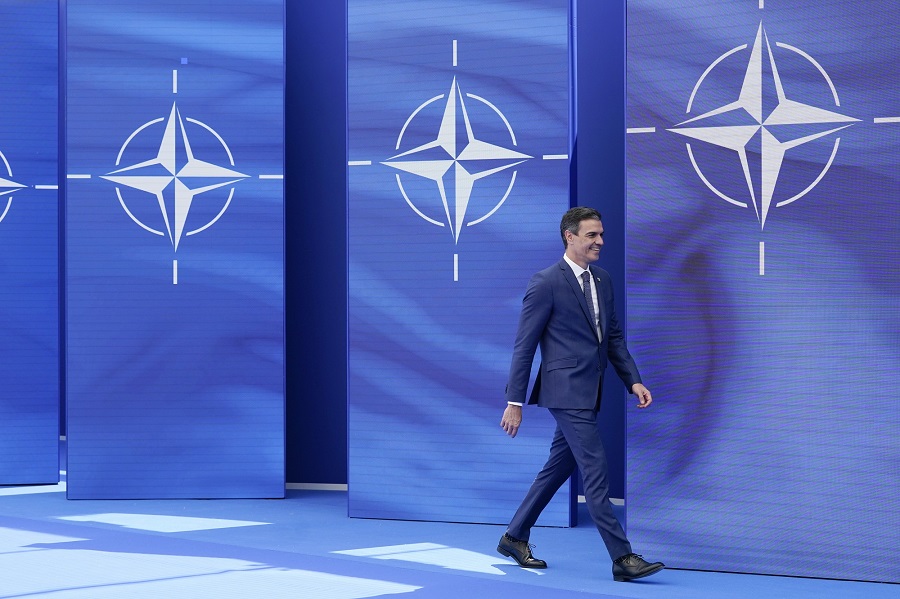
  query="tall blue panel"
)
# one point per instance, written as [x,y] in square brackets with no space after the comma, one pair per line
[458,175]
[600,162]
[29,310]
[316,257]
[175,243]
[763,285]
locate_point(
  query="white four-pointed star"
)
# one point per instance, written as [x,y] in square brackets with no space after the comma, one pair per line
[464,162]
[786,112]
[141,176]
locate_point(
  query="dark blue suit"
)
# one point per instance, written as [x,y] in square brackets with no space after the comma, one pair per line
[573,360]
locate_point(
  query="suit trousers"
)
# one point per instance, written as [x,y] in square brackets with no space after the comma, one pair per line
[576,442]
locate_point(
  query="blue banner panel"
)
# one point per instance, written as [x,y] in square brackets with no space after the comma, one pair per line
[29,231]
[763,141]
[175,244]
[458,176]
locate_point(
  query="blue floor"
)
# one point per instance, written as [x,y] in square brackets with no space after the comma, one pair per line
[306,547]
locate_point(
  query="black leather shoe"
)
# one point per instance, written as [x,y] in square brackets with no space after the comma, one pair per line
[631,566]
[519,551]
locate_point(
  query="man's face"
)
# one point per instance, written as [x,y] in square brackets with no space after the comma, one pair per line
[584,246]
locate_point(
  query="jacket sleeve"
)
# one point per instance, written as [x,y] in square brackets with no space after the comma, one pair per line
[537,305]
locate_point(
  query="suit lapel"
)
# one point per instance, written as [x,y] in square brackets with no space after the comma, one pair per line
[575,284]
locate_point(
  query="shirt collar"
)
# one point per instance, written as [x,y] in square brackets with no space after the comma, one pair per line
[575,268]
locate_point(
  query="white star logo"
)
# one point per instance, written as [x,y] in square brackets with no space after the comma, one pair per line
[774,129]
[456,159]
[171,176]
[455,178]
[175,165]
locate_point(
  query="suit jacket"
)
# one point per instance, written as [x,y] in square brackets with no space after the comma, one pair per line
[555,316]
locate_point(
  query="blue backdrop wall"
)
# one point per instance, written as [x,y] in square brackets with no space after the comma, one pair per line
[762,194]
[174,341]
[436,280]
[29,346]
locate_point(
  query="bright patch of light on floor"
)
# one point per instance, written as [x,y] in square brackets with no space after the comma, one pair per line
[33,489]
[433,554]
[160,523]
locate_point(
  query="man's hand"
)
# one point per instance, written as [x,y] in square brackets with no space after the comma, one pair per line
[643,395]
[512,418]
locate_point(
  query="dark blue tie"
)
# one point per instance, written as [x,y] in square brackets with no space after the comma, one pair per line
[589,296]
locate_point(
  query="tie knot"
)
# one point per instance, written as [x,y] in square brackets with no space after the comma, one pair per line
[585,277]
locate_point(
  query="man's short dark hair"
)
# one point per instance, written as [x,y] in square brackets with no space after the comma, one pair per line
[572,219]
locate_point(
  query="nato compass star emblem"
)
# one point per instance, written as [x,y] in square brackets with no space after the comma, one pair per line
[455,159]
[770,131]
[175,177]
[455,162]
[164,184]
[759,128]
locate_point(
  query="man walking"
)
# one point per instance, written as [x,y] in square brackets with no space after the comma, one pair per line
[569,311]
